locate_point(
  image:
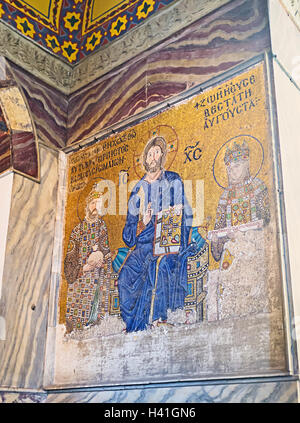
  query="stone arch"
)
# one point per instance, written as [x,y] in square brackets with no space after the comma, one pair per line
[18,142]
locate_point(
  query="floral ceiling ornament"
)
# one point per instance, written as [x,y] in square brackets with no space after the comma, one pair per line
[72,21]
[93,40]
[145,8]
[70,51]
[25,27]
[118,26]
[53,43]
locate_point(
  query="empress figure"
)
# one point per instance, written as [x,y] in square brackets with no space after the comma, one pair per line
[243,203]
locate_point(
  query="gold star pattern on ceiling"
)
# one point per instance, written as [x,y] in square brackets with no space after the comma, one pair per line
[73,29]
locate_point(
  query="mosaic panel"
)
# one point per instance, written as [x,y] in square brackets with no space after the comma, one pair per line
[242,207]
[170,246]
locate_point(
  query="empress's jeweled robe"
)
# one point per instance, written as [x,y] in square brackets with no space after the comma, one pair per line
[243,273]
[239,205]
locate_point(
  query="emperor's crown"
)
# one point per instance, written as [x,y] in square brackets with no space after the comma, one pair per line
[93,194]
[237,152]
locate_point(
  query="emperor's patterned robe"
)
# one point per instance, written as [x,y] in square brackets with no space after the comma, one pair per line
[88,292]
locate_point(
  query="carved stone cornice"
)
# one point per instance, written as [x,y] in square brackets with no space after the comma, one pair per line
[68,78]
[35,59]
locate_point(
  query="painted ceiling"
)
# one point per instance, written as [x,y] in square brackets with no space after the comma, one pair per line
[73,29]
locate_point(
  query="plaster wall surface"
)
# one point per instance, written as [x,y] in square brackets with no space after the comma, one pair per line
[285,38]
[288,105]
[285,46]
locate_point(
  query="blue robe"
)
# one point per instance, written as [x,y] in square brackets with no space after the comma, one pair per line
[142,269]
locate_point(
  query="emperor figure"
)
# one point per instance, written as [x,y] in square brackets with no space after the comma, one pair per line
[87,268]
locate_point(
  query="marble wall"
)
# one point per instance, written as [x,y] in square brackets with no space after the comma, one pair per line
[229,393]
[26,276]
[6,182]
[273,392]
[48,108]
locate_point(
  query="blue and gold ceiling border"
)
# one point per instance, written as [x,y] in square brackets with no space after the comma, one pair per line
[73,29]
[45,12]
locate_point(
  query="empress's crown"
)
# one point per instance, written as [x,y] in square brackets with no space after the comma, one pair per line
[237,152]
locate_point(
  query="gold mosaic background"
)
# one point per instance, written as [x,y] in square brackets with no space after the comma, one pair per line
[197,132]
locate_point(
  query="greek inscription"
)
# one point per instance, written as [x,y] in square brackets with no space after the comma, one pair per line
[192,152]
[228,102]
[110,153]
